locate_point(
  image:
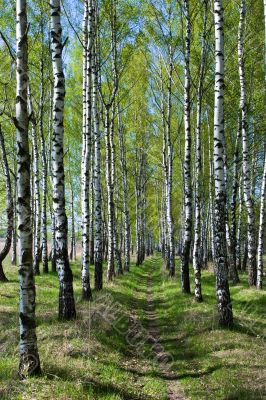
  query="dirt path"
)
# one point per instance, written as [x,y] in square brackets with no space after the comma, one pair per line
[163,359]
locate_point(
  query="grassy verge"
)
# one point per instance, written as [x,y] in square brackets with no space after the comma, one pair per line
[94,357]
[210,362]
[86,359]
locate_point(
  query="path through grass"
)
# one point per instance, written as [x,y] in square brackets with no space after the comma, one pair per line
[101,356]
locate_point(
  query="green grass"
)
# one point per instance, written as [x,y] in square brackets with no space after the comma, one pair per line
[93,357]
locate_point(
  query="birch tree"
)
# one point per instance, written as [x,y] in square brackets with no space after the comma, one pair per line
[123,161]
[36,187]
[29,357]
[261,229]
[44,163]
[86,149]
[220,250]
[247,185]
[263,194]
[233,231]
[9,208]
[169,165]
[98,276]
[197,259]
[66,296]
[109,145]
[185,284]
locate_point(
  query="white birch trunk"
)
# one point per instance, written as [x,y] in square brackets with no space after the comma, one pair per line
[92,205]
[169,187]
[9,208]
[110,197]
[246,164]
[66,296]
[185,283]
[36,188]
[86,149]
[165,246]
[263,194]
[233,261]
[97,165]
[261,230]
[123,162]
[29,358]
[220,256]
[239,225]
[14,235]
[117,253]
[44,177]
[197,256]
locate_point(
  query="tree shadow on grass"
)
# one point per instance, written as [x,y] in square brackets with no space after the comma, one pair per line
[92,385]
[246,394]
[174,376]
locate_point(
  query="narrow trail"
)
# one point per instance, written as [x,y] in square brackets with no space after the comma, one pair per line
[163,358]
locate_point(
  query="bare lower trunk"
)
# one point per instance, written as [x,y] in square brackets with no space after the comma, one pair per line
[53,247]
[263,194]
[169,186]
[36,189]
[73,255]
[9,208]
[125,192]
[14,234]
[239,226]
[44,176]
[233,260]
[110,199]
[261,229]
[92,206]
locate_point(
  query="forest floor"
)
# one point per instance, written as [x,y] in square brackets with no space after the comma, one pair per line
[140,339]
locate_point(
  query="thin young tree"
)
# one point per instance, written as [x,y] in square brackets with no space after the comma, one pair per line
[44,160]
[98,276]
[220,250]
[29,358]
[109,106]
[233,273]
[261,229]
[123,161]
[9,208]
[263,194]
[86,149]
[197,256]
[247,183]
[66,296]
[36,187]
[169,162]
[185,283]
